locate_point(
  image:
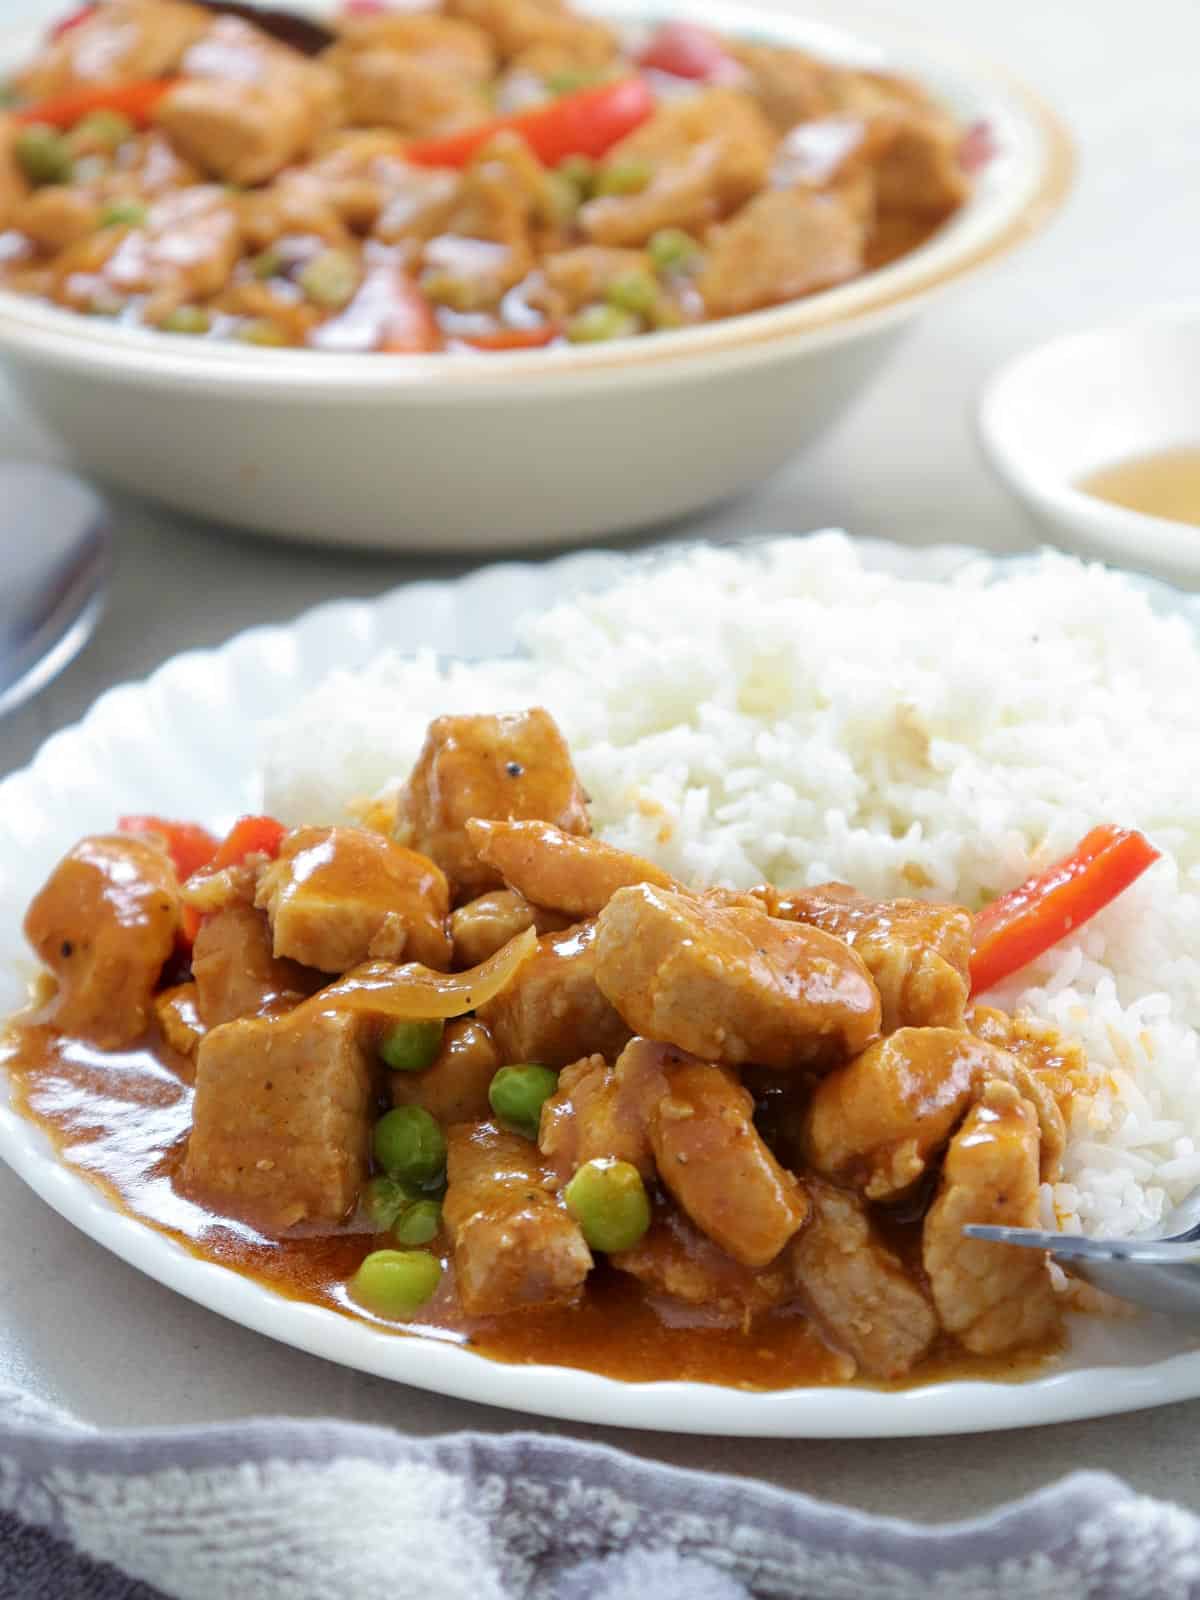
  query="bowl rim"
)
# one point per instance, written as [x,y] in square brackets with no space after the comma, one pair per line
[1033,141]
[1119,530]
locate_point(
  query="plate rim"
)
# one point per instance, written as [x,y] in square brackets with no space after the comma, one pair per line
[541,1390]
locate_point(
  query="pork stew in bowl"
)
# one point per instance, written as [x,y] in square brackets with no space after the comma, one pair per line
[496,175]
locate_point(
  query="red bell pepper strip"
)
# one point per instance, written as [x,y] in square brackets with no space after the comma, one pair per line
[515,338]
[189,845]
[248,836]
[75,20]
[134,100]
[1023,924]
[588,123]
[687,51]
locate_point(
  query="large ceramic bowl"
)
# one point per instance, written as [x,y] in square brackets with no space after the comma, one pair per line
[534,447]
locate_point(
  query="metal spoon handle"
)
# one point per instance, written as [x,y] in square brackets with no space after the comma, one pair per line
[1073,1247]
[54,555]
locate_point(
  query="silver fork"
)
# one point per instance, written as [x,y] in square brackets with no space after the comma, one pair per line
[1161,1272]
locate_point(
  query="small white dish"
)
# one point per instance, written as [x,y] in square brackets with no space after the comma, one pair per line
[535,447]
[1062,411]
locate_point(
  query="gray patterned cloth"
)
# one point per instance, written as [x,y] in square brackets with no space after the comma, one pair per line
[273,1510]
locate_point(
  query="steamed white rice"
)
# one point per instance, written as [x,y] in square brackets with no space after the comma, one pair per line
[785,714]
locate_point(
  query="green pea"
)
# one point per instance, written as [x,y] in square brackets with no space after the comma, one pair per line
[411,1046]
[594,324]
[418,1223]
[456,291]
[409,1145]
[187,319]
[516,1095]
[124,214]
[634,291]
[44,155]
[672,250]
[394,1283]
[267,264]
[382,1200]
[261,330]
[330,279]
[623,177]
[609,1201]
[103,130]
[560,199]
[579,171]
[570,80]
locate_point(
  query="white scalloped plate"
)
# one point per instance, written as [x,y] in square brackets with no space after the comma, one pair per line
[184,742]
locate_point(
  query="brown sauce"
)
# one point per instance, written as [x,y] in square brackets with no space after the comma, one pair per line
[1165,483]
[122,1119]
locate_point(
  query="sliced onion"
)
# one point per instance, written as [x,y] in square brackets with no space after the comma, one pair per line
[414,993]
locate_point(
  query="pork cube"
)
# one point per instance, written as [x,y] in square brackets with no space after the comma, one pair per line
[700,1122]
[917,951]
[857,1290]
[560,870]
[784,244]
[790,85]
[419,97]
[918,173]
[440,41]
[247,107]
[55,216]
[239,132]
[104,924]
[237,972]
[421,73]
[122,40]
[877,1123]
[509,766]
[340,896]
[281,1124]
[514,1243]
[991,1297]
[1059,1063]
[594,1115]
[707,153]
[521,26]
[680,125]
[455,1087]
[485,924]
[553,1011]
[179,1019]
[675,1259]
[731,984]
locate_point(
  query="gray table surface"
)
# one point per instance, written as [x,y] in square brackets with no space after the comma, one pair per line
[83,1330]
